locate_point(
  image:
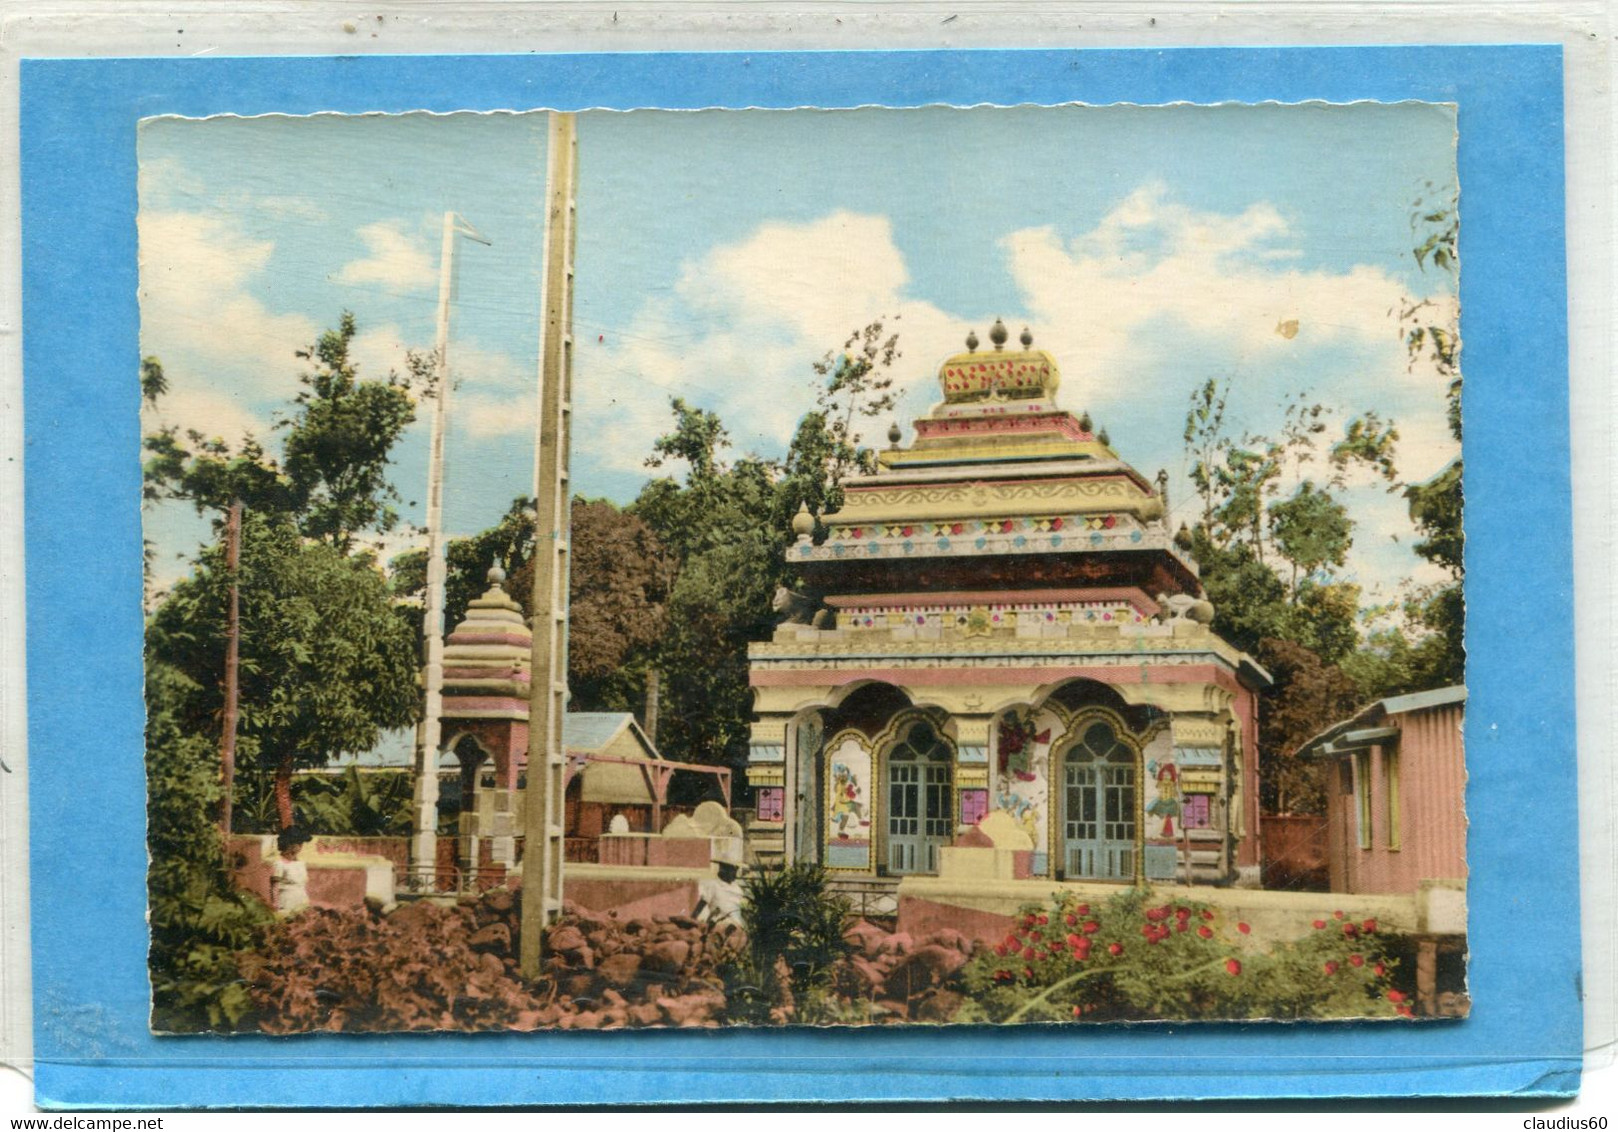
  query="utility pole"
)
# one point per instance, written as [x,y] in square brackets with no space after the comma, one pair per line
[542,794]
[233,637]
[424,843]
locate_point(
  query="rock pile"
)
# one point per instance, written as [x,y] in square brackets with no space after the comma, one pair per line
[904,979]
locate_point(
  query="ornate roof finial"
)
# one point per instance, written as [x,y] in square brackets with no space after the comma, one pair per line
[1027,339]
[971,341]
[803,523]
[998,334]
[1085,423]
[497,574]
[1182,537]
[1102,436]
[894,434]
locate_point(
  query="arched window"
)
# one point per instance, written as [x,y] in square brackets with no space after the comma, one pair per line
[920,816]
[1099,806]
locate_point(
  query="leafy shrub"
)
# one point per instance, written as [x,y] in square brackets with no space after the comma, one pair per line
[795,942]
[199,921]
[1133,959]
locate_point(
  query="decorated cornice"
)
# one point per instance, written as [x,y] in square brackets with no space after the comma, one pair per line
[983,499]
[1081,643]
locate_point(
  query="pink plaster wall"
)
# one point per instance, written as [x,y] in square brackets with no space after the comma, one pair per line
[921,917]
[632,899]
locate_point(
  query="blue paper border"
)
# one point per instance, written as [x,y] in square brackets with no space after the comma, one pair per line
[84,599]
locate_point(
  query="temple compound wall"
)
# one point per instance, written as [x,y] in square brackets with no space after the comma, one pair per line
[1000,620]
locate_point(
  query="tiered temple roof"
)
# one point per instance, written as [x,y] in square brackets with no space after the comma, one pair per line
[1003,495]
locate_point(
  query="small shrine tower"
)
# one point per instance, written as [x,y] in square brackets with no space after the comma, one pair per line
[486,684]
[1001,618]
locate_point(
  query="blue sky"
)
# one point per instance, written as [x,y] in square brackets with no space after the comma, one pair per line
[721,252]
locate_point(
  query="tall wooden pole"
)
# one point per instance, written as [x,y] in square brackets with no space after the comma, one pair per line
[543,791]
[233,636]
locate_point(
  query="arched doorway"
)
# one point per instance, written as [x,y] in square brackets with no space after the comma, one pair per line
[1100,807]
[920,817]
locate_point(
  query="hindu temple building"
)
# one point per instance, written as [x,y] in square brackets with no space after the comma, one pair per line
[1001,622]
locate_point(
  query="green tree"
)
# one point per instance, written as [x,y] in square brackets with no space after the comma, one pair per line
[1310,530]
[1309,695]
[327,661]
[331,478]
[855,383]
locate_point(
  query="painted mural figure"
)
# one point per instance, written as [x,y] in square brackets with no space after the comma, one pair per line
[846,802]
[1017,741]
[1166,806]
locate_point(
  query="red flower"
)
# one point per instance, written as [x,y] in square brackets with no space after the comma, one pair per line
[1396,996]
[1319,924]
[1181,926]
[1115,949]
[999,949]
[1027,972]
[1207,914]
[1379,970]
[1072,920]
[1091,927]
[1028,954]
[1078,1011]
[1156,913]
[1405,1011]
[1183,912]
[1331,967]
[1233,966]
[1369,925]
[1044,919]
[1205,932]
[1243,928]
[1337,915]
[1350,930]
[1074,940]
[1082,910]
[1356,961]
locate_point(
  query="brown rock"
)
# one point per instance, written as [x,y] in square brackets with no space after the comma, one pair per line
[491,964]
[949,937]
[939,1006]
[499,899]
[620,970]
[587,1020]
[869,974]
[418,913]
[566,937]
[898,943]
[865,936]
[666,956]
[578,986]
[646,1014]
[493,937]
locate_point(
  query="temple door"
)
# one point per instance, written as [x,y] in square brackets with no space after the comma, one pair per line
[1099,807]
[920,816]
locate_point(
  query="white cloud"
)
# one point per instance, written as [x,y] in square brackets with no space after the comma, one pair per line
[212,412]
[195,304]
[1222,278]
[396,261]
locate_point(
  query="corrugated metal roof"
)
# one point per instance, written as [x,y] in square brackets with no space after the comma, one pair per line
[592,730]
[1381,709]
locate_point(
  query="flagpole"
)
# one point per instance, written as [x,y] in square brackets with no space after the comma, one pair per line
[424,843]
